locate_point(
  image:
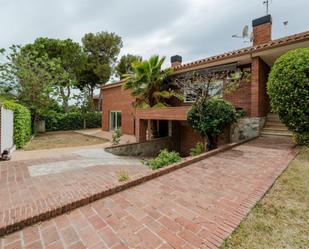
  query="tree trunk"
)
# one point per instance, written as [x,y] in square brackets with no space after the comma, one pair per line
[91,104]
[65,98]
[212,142]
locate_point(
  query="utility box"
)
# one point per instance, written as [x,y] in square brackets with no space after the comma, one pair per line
[6,129]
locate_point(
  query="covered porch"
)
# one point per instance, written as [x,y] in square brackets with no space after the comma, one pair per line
[166,122]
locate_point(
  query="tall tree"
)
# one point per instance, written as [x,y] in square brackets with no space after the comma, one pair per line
[69,61]
[32,76]
[125,65]
[101,50]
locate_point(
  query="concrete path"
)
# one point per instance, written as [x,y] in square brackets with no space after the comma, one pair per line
[193,207]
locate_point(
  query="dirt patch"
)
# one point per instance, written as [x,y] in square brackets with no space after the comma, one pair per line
[52,140]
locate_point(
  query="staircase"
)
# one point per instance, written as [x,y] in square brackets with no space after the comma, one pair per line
[274,127]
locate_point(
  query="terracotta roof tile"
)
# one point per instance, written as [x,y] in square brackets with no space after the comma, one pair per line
[279,42]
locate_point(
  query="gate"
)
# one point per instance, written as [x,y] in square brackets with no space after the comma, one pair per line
[6,129]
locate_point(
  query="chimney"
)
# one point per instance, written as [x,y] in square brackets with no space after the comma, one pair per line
[176,60]
[262,30]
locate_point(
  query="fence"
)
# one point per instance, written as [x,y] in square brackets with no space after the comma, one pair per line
[6,129]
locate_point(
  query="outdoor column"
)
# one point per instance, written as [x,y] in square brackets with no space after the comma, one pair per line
[259,97]
[141,130]
[170,128]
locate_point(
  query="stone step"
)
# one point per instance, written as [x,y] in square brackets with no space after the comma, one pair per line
[272,114]
[267,128]
[273,119]
[275,133]
[275,125]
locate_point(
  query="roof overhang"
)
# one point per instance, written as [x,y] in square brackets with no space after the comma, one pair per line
[269,56]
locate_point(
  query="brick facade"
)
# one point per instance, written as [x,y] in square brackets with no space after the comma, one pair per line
[250,96]
[114,98]
[241,97]
[259,98]
[189,138]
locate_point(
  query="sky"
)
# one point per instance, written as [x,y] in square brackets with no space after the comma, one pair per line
[194,29]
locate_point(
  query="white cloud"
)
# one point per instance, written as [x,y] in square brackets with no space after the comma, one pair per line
[191,28]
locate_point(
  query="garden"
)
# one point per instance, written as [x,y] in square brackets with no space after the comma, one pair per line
[50,84]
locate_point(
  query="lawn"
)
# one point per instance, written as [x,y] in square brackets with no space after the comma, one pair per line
[281,218]
[52,140]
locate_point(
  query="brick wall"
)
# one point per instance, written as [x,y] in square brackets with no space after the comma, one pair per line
[262,33]
[189,138]
[117,99]
[241,97]
[259,97]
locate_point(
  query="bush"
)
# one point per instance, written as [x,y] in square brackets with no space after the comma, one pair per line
[22,123]
[93,119]
[288,88]
[72,120]
[199,148]
[164,158]
[116,136]
[301,139]
[210,118]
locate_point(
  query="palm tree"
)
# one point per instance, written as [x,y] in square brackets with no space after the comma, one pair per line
[147,83]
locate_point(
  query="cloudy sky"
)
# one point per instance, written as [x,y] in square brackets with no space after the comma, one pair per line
[192,28]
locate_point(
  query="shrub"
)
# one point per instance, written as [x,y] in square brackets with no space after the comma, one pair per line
[93,119]
[72,120]
[116,136]
[301,138]
[199,148]
[210,118]
[288,88]
[164,158]
[22,123]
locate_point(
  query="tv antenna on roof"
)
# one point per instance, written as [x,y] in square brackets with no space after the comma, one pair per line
[245,34]
[285,23]
[267,3]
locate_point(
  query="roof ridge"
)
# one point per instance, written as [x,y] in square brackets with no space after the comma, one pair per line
[269,44]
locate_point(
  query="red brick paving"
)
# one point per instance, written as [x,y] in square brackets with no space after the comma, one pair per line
[23,197]
[194,207]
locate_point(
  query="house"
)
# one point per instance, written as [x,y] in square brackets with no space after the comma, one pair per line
[97,102]
[252,97]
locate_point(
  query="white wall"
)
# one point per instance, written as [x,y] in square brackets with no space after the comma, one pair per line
[6,129]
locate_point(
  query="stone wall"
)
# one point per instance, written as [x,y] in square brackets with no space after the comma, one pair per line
[149,148]
[246,128]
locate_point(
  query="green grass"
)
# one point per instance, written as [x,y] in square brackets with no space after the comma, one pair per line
[281,218]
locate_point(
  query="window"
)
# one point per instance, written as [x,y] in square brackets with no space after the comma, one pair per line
[115,120]
[189,96]
[215,89]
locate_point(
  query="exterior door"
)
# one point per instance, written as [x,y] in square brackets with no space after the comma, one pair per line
[115,120]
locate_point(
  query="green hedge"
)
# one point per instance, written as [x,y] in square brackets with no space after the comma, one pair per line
[22,123]
[72,120]
[288,89]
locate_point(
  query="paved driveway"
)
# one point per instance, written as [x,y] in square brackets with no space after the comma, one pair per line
[34,187]
[194,207]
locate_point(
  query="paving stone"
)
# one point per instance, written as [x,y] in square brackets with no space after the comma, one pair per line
[193,207]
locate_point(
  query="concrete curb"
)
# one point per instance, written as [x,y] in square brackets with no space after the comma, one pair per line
[53,212]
